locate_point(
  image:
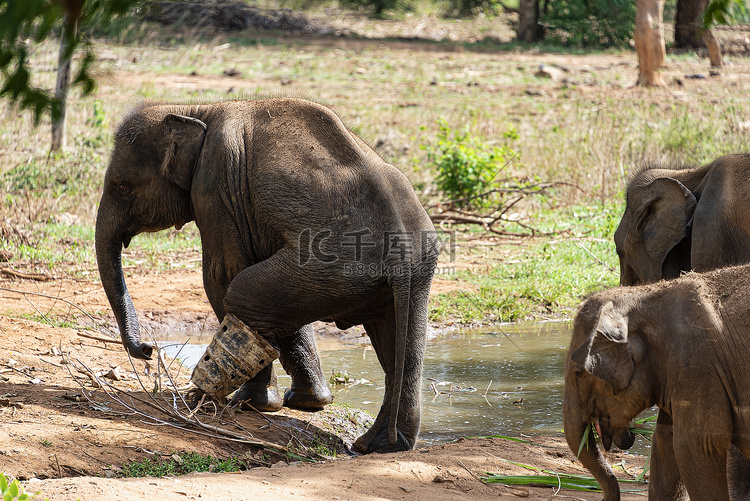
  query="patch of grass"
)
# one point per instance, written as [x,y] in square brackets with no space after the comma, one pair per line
[548,478]
[547,277]
[54,320]
[183,463]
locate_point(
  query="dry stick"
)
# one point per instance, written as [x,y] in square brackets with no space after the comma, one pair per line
[38,310]
[467,469]
[26,276]
[176,411]
[24,293]
[97,338]
[215,431]
[596,258]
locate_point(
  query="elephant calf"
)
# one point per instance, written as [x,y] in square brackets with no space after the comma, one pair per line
[678,220]
[682,345]
[300,221]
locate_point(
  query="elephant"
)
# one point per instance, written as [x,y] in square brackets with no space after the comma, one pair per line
[300,221]
[677,220]
[680,345]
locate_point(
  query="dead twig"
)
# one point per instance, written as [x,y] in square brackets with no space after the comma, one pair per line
[39,277]
[95,323]
[168,408]
[97,338]
[595,257]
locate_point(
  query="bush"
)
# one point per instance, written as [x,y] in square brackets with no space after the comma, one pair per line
[466,167]
[380,6]
[466,8]
[586,23]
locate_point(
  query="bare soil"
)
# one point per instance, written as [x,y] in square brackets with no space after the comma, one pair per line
[66,438]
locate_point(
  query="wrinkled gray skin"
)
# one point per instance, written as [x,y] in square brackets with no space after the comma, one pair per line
[300,221]
[685,219]
[682,345]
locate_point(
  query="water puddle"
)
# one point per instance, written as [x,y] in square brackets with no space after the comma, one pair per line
[507,380]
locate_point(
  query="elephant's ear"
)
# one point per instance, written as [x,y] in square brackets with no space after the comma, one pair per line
[185,142]
[607,355]
[665,217]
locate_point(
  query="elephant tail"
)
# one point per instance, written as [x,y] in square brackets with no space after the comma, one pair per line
[401,285]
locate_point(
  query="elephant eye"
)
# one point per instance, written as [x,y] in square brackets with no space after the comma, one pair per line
[123,188]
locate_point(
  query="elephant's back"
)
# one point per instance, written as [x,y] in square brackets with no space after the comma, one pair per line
[308,169]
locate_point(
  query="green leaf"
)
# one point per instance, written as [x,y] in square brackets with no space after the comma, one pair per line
[3,483]
[584,440]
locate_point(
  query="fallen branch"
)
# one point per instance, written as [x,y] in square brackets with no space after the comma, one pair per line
[26,276]
[97,338]
[168,408]
[493,221]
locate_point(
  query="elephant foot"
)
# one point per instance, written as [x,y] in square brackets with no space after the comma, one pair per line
[264,398]
[307,399]
[376,440]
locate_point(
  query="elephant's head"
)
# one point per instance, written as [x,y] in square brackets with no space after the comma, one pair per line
[603,387]
[653,238]
[146,189]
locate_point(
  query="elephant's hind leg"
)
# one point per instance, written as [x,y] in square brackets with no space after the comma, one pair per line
[383,336]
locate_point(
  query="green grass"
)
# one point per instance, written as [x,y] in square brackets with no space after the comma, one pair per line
[546,277]
[183,463]
[548,478]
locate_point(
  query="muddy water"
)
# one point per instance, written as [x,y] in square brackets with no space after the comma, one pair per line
[506,380]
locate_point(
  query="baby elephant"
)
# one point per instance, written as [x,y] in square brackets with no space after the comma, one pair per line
[684,346]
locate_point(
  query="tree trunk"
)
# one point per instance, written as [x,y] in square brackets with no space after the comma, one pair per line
[714,49]
[68,34]
[687,23]
[649,41]
[528,21]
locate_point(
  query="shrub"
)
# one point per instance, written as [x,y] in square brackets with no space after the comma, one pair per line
[467,168]
[586,23]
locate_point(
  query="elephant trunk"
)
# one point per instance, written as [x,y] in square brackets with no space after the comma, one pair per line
[591,457]
[109,241]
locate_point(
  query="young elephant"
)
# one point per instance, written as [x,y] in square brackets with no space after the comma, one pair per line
[679,220]
[682,345]
[299,220]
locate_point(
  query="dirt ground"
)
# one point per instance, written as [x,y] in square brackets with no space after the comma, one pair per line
[66,438]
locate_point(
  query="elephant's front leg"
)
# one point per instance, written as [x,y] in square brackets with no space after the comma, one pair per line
[665,482]
[300,360]
[298,356]
[702,458]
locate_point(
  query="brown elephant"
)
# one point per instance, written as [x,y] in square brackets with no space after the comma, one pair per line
[683,346]
[677,220]
[300,221]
